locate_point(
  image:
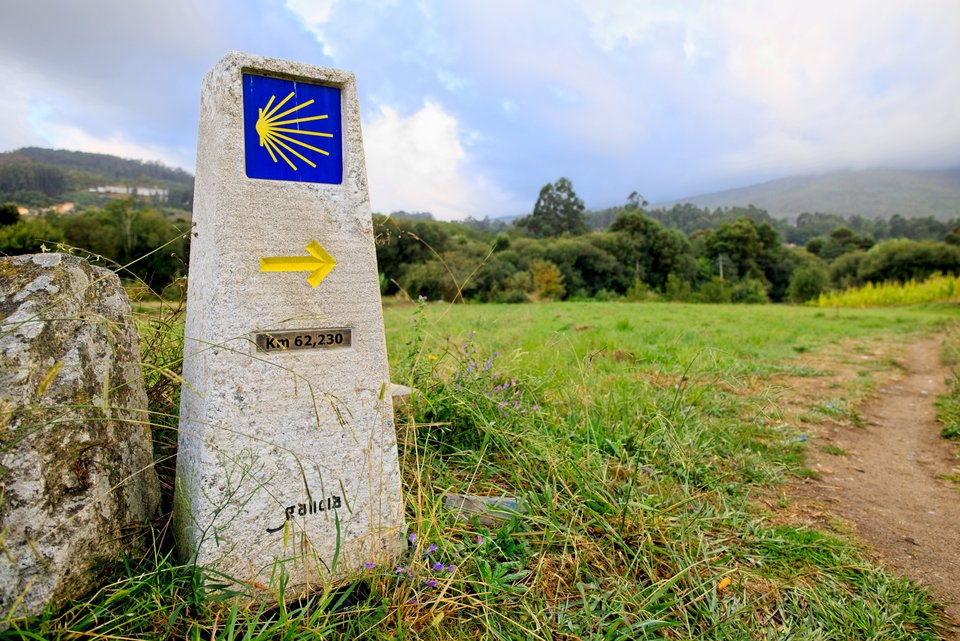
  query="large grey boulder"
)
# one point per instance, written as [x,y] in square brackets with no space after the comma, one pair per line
[76,466]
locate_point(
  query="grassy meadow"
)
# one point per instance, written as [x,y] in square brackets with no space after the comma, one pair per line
[648,447]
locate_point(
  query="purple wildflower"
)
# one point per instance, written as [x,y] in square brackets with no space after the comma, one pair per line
[369,565]
[400,570]
[451,567]
[431,583]
[479,539]
[413,537]
[438,567]
[431,548]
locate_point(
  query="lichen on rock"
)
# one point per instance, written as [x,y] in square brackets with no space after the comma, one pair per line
[76,465]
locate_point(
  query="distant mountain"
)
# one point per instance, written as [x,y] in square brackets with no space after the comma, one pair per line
[871,194]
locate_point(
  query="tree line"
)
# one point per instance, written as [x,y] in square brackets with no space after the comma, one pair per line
[684,253]
[131,236]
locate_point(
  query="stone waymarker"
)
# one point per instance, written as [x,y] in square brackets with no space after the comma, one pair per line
[287,463]
[77,482]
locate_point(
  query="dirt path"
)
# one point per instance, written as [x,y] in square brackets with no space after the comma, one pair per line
[884,478]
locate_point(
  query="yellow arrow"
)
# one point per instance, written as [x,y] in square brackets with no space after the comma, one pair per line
[319,263]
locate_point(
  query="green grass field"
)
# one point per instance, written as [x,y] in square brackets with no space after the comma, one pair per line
[638,439]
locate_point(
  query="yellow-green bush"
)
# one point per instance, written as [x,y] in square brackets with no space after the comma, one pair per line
[936,289]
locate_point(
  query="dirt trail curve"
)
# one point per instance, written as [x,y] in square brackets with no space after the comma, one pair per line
[888,483]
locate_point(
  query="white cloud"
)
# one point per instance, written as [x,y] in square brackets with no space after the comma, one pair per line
[315,15]
[540,56]
[806,86]
[849,84]
[632,22]
[15,109]
[33,121]
[418,163]
[63,136]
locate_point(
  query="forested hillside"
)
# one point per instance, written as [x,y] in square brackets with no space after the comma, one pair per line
[38,177]
[869,194]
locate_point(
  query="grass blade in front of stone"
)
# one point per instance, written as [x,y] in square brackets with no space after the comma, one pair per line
[634,435]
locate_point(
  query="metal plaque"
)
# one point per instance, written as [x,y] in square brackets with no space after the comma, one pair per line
[296,339]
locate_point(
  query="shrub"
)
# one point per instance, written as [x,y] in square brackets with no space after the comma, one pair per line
[936,289]
[716,290]
[547,280]
[807,283]
[677,289]
[749,291]
[516,288]
[606,296]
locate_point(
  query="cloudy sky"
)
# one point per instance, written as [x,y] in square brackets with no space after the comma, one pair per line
[469,107]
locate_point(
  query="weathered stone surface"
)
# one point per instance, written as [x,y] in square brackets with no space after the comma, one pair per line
[75,448]
[401,395]
[287,470]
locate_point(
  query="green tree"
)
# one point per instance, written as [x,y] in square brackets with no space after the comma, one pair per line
[557,211]
[902,259]
[841,240]
[28,237]
[403,243]
[735,248]
[844,271]
[586,267]
[750,249]
[953,236]
[648,251]
[9,214]
[133,236]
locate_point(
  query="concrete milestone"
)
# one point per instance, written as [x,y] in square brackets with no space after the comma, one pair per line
[287,468]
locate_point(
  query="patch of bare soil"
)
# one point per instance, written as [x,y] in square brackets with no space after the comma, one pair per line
[885,477]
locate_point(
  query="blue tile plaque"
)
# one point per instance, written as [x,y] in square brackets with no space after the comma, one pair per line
[292,130]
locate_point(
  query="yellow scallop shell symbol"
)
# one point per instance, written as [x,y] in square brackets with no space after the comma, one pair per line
[273,132]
